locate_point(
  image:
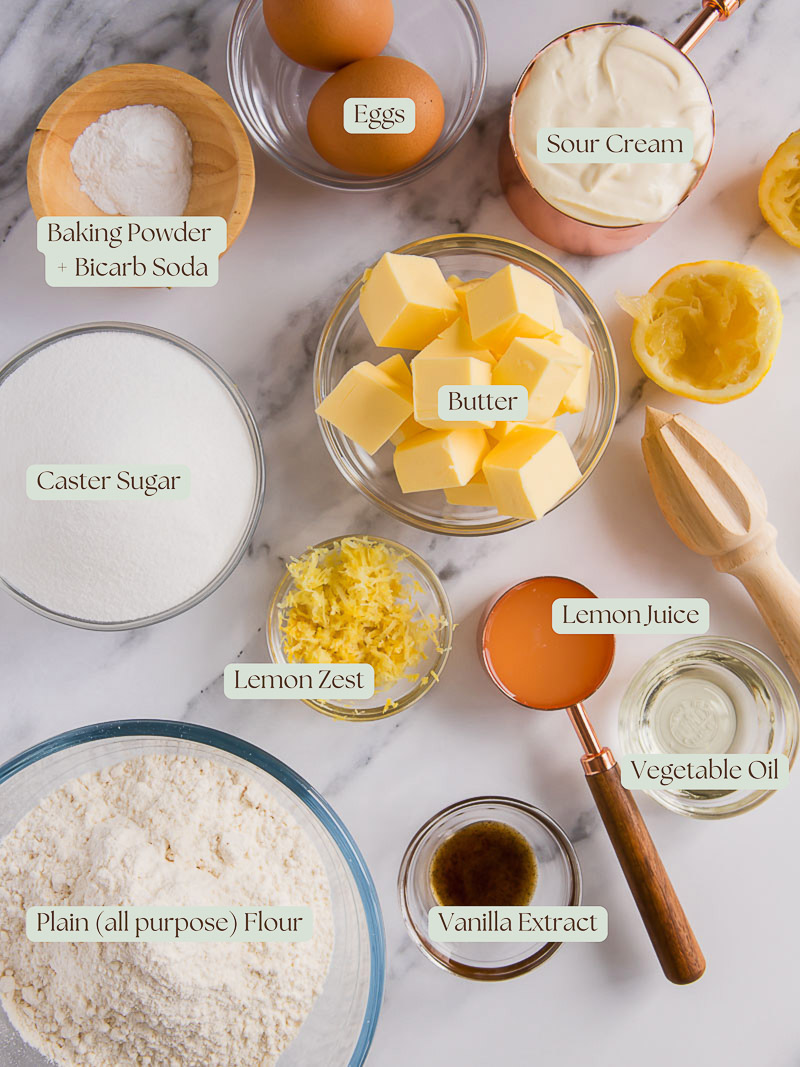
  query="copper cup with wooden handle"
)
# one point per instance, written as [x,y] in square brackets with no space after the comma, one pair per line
[664,918]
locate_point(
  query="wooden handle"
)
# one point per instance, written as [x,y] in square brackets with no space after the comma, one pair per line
[773,587]
[658,904]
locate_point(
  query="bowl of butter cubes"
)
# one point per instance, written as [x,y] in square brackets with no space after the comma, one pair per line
[468,312]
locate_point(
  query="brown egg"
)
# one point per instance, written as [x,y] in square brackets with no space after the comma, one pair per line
[375,153]
[327,34]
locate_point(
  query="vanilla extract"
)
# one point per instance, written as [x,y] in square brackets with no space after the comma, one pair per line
[484,864]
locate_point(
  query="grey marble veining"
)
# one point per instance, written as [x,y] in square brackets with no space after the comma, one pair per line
[301,247]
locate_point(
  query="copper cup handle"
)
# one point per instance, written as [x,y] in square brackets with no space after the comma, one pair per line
[713,11]
[664,919]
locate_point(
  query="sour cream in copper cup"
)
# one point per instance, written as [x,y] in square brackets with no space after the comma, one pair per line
[597,77]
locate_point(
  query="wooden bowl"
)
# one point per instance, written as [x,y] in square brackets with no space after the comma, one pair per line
[223,173]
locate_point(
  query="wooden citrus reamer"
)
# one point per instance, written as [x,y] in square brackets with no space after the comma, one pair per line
[716,506]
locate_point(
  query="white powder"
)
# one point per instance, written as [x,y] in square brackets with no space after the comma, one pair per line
[120,397]
[135,161]
[161,830]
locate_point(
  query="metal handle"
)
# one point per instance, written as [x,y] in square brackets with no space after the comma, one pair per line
[713,11]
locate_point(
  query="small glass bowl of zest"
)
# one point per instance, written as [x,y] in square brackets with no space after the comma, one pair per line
[558,884]
[710,695]
[345,342]
[429,605]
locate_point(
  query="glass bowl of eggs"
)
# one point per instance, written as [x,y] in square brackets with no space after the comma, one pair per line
[290,95]
[585,433]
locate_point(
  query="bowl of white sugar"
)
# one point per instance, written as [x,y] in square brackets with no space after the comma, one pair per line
[152,822]
[131,476]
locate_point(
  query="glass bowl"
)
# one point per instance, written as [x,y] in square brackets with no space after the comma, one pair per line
[340,1028]
[238,400]
[559,884]
[345,341]
[710,695]
[432,600]
[272,93]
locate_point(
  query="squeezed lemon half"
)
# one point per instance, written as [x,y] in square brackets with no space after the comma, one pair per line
[779,190]
[707,330]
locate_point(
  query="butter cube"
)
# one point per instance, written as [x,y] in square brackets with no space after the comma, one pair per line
[439,459]
[431,372]
[409,428]
[529,471]
[456,340]
[475,494]
[396,367]
[511,303]
[367,405]
[405,301]
[502,429]
[461,291]
[543,368]
[575,397]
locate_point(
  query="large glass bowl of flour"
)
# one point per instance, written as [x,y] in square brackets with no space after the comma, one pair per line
[130,398]
[339,1030]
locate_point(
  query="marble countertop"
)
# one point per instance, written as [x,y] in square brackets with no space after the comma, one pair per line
[738,878]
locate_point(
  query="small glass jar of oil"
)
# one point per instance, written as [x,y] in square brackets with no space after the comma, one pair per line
[710,695]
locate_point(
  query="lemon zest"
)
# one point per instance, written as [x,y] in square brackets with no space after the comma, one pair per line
[355,603]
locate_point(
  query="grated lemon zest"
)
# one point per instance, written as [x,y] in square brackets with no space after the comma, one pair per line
[354,603]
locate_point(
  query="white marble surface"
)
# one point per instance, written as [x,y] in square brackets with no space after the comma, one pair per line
[604,1003]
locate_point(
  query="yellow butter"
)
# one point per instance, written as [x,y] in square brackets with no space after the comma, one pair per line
[529,471]
[475,494]
[396,367]
[541,367]
[367,405]
[454,281]
[430,372]
[405,301]
[575,396]
[511,303]
[456,340]
[502,429]
[461,291]
[438,459]
[409,428]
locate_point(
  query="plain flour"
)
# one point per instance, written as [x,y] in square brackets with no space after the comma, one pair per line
[127,398]
[135,161]
[161,830]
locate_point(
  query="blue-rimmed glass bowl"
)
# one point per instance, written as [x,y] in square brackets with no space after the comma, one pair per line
[340,1028]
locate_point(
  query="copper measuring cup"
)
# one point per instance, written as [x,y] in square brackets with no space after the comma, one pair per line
[557,227]
[665,921]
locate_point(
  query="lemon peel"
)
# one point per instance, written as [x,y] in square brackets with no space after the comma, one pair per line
[708,330]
